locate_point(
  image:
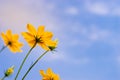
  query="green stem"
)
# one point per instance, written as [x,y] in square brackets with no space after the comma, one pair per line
[2,48]
[24,61]
[3,78]
[34,64]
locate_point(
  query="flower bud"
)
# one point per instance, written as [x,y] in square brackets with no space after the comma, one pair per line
[9,71]
[54,45]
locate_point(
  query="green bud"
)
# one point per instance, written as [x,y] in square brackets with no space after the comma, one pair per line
[9,71]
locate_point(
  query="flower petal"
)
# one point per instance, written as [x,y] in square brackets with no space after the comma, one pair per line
[40,30]
[31,29]
[4,37]
[27,35]
[49,71]
[15,37]
[29,38]
[14,49]
[9,34]
[42,73]
[47,35]
[44,46]
[56,77]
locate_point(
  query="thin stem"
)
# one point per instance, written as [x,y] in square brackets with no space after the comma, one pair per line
[34,64]
[3,78]
[2,48]
[24,61]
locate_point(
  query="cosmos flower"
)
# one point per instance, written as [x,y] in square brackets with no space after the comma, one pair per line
[39,36]
[49,75]
[11,41]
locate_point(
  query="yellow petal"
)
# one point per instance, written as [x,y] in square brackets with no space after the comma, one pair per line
[4,37]
[31,43]
[15,37]
[49,71]
[54,43]
[19,44]
[42,73]
[13,49]
[50,43]
[31,29]
[28,36]
[9,34]
[57,77]
[45,47]
[47,35]
[40,30]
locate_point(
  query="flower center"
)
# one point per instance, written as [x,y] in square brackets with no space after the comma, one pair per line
[9,43]
[38,39]
[51,78]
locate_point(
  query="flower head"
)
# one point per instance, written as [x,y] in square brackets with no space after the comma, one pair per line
[49,75]
[39,36]
[11,41]
[53,46]
[9,71]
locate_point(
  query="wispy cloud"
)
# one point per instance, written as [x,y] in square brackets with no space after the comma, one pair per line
[97,34]
[72,10]
[89,34]
[67,59]
[117,59]
[103,8]
[116,11]
[19,13]
[97,8]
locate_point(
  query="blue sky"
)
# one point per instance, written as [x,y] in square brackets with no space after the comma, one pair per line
[88,33]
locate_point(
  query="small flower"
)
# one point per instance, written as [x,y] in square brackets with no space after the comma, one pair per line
[11,41]
[9,71]
[49,75]
[39,36]
[53,46]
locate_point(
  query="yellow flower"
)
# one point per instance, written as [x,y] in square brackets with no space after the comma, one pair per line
[39,36]
[53,46]
[49,75]
[11,41]
[9,71]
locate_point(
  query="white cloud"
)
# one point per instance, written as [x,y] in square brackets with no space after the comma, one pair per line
[57,57]
[98,34]
[72,10]
[63,57]
[97,8]
[118,59]
[89,35]
[116,11]
[83,60]
[103,8]
[16,15]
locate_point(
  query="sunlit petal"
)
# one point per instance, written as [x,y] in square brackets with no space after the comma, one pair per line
[48,35]
[40,30]
[31,29]
[45,47]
